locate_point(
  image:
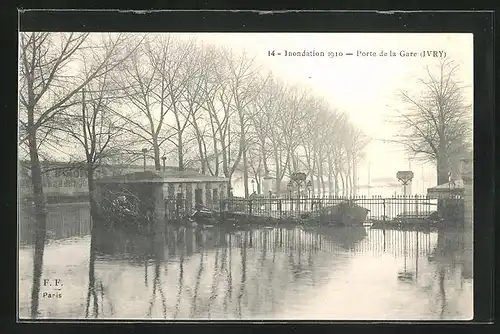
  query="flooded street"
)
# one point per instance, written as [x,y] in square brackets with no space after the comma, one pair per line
[265,273]
[250,175]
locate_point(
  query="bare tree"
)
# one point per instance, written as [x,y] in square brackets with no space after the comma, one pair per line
[245,85]
[48,81]
[153,80]
[260,110]
[290,121]
[95,127]
[183,87]
[436,122]
[354,143]
[217,102]
[201,65]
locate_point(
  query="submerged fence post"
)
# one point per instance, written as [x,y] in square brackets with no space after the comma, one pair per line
[384,213]
[416,204]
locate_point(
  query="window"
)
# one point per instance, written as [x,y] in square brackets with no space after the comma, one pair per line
[215,195]
[198,196]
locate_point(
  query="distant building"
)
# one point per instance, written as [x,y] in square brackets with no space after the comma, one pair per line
[64,179]
[58,173]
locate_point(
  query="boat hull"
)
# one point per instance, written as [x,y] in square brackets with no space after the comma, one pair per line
[338,215]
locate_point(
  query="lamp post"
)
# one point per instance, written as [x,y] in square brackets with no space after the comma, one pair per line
[297,178]
[144,150]
[253,185]
[404,177]
[309,187]
[178,201]
[289,186]
[163,158]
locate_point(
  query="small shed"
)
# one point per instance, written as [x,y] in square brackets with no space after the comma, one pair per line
[165,193]
[450,201]
[452,189]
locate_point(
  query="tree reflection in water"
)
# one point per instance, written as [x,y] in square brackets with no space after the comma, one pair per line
[91,291]
[448,256]
[215,282]
[229,269]
[157,282]
[181,281]
[198,278]
[95,286]
[270,268]
[243,254]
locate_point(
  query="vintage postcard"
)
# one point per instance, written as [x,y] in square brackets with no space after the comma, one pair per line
[245,176]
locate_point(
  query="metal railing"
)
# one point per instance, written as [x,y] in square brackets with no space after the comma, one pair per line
[379,208]
[395,208]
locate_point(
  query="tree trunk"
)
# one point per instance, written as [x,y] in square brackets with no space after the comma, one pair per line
[94,210]
[92,293]
[343,183]
[330,180]
[321,179]
[180,153]
[225,160]
[156,151]
[40,216]
[323,186]
[442,170]
[336,178]
[278,186]
[349,180]
[201,154]
[277,163]
[311,167]
[245,167]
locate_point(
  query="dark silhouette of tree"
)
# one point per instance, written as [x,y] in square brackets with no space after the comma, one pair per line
[47,86]
[181,281]
[243,255]
[197,285]
[435,124]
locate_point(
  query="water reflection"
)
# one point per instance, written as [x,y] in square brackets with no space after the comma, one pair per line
[267,273]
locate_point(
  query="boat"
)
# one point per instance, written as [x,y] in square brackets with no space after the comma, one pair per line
[343,214]
[205,216]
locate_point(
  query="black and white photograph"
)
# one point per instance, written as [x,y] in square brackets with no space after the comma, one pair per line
[245,176]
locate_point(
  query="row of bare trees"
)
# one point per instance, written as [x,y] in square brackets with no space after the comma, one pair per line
[208,107]
[199,105]
[102,98]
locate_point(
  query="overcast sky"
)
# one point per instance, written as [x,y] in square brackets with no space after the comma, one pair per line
[364,87]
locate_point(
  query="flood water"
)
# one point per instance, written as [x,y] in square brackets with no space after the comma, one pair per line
[265,273]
